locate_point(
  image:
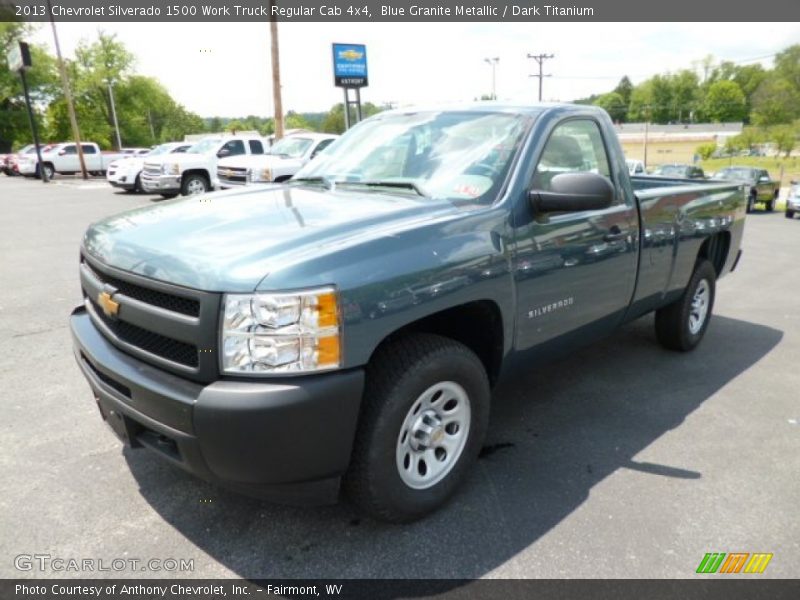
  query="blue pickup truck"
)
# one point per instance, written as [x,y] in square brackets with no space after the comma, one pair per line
[342,331]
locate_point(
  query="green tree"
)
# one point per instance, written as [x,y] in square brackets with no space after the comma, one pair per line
[624,88]
[294,120]
[785,138]
[614,105]
[706,150]
[334,120]
[787,65]
[42,81]
[775,102]
[724,102]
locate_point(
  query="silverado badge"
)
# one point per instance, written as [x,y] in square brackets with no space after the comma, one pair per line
[108,305]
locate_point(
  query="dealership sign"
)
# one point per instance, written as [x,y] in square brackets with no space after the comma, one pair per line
[350,65]
[19,57]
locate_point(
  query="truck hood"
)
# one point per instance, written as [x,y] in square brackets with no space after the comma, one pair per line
[229,241]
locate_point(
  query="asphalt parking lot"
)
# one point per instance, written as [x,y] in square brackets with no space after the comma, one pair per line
[623,461]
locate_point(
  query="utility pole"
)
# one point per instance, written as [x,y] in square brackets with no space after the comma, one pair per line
[73,121]
[492,62]
[114,115]
[19,59]
[276,73]
[540,58]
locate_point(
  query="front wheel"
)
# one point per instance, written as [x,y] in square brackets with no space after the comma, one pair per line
[424,417]
[194,185]
[769,205]
[789,214]
[751,203]
[681,325]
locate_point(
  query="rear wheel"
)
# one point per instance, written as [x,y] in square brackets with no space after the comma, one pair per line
[194,184]
[789,214]
[424,417]
[751,203]
[769,205]
[682,324]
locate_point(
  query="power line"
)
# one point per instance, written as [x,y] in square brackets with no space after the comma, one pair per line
[540,58]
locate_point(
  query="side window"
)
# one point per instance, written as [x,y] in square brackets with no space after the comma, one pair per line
[256,147]
[70,149]
[574,146]
[321,146]
[87,149]
[232,148]
[639,168]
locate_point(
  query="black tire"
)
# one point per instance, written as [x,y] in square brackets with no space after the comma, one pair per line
[192,180]
[397,377]
[673,322]
[789,214]
[137,185]
[769,205]
[751,202]
[168,196]
[48,171]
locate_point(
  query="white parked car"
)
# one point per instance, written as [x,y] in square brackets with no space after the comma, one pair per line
[284,159]
[195,171]
[126,172]
[635,167]
[63,158]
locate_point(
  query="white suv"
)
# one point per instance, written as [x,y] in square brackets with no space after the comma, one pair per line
[195,171]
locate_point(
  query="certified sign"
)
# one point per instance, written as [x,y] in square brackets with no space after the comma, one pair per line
[350,65]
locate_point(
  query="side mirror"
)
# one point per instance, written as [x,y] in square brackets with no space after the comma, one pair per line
[62,152]
[763,180]
[573,192]
[223,152]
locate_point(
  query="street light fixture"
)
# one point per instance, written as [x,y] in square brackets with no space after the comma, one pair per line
[492,62]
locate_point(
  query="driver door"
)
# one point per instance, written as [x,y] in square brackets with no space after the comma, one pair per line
[573,269]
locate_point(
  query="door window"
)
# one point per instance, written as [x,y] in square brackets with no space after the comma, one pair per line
[232,148]
[256,147]
[575,146]
[87,149]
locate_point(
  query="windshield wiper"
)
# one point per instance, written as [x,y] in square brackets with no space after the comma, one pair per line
[405,185]
[327,183]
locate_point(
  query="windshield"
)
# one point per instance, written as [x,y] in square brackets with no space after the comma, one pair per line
[162,149]
[292,147]
[671,171]
[444,155]
[735,174]
[206,146]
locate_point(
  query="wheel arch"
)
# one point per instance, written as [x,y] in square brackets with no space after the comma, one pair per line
[477,324]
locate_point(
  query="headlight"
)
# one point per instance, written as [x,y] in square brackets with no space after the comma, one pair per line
[260,174]
[170,169]
[281,333]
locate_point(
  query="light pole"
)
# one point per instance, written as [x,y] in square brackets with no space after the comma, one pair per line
[114,115]
[492,62]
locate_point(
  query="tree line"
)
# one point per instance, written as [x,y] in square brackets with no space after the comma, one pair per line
[146,112]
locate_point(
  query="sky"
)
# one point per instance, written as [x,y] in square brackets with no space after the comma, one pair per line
[223,69]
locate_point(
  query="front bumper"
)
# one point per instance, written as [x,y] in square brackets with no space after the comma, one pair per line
[161,183]
[288,440]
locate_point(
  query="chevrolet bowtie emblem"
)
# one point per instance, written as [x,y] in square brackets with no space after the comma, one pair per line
[108,305]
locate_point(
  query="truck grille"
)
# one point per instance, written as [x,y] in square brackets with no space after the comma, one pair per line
[184,306]
[151,169]
[149,341]
[232,176]
[172,327]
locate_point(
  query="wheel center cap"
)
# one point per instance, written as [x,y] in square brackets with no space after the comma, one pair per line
[427,431]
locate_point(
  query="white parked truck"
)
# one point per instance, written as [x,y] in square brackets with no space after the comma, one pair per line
[195,171]
[63,158]
[126,172]
[284,159]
